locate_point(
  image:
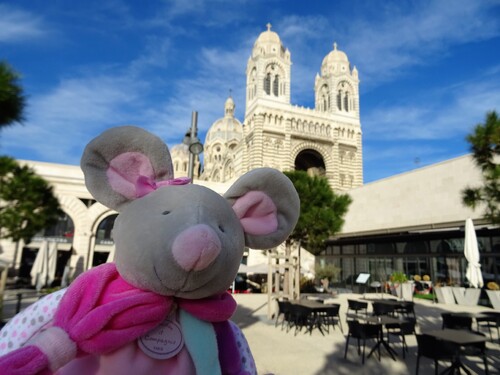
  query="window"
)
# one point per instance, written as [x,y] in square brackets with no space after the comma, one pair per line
[339,100]
[267,84]
[63,228]
[346,102]
[276,85]
[105,228]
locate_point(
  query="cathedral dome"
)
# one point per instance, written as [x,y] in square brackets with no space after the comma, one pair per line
[268,36]
[268,43]
[180,150]
[226,128]
[335,61]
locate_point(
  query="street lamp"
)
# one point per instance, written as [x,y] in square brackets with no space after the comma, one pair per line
[195,146]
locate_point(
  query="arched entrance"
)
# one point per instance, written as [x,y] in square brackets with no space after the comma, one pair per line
[310,161]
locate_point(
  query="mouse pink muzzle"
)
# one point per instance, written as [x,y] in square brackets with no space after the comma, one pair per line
[196,247]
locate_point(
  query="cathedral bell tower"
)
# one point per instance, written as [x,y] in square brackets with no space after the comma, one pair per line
[268,71]
[337,88]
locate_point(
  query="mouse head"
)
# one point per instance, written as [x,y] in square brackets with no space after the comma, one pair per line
[176,238]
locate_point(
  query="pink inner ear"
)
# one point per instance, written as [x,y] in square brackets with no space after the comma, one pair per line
[257,213]
[126,169]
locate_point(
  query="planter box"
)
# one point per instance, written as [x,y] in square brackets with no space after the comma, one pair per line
[445,295]
[404,291]
[407,291]
[494,296]
[466,296]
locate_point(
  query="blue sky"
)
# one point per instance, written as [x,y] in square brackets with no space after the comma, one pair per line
[429,70]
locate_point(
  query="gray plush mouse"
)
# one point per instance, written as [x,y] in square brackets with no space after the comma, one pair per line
[162,306]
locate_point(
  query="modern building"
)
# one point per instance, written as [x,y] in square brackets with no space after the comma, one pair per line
[414,222]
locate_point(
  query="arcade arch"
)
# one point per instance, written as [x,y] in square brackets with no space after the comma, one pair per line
[103,248]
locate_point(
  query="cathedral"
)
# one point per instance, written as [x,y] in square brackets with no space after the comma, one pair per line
[324,140]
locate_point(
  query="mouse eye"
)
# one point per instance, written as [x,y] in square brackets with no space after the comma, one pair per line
[221,228]
[165,212]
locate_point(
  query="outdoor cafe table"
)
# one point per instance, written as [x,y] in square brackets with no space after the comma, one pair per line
[472,315]
[389,301]
[382,320]
[314,309]
[460,337]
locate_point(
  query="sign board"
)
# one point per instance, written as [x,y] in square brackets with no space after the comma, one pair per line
[362,278]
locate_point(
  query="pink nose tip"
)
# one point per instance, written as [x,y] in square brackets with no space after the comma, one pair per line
[196,247]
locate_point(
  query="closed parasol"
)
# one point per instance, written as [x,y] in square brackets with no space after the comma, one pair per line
[471,252]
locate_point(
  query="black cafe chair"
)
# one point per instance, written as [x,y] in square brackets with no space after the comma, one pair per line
[362,332]
[456,322]
[476,350]
[283,313]
[430,347]
[330,317]
[298,317]
[380,308]
[359,307]
[401,329]
[406,309]
[489,319]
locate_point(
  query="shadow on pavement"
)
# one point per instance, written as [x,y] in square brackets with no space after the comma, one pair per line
[281,352]
[245,317]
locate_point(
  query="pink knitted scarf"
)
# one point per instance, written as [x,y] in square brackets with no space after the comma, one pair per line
[100,313]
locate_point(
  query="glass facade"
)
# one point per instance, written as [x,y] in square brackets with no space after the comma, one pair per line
[439,254]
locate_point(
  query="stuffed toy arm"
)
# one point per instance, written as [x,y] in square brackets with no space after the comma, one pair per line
[99,313]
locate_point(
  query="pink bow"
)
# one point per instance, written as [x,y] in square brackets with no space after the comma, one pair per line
[145,185]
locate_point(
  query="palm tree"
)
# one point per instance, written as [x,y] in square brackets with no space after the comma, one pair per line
[12,100]
[485,147]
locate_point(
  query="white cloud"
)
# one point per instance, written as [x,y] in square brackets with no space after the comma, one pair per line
[402,38]
[18,25]
[302,28]
[59,121]
[465,105]
[156,54]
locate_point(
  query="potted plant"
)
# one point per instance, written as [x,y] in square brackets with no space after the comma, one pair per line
[398,277]
[493,291]
[403,288]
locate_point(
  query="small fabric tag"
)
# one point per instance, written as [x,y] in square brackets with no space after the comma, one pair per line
[163,342]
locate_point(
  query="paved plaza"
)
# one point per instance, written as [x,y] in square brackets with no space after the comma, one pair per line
[279,352]
[286,353]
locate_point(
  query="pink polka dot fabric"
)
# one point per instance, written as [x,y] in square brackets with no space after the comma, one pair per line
[28,322]
[247,360]
[38,316]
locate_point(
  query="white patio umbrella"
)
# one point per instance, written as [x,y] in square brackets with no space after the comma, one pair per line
[44,268]
[471,252]
[52,264]
[258,268]
[38,264]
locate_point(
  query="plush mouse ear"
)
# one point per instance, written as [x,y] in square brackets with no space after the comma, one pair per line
[267,205]
[122,163]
